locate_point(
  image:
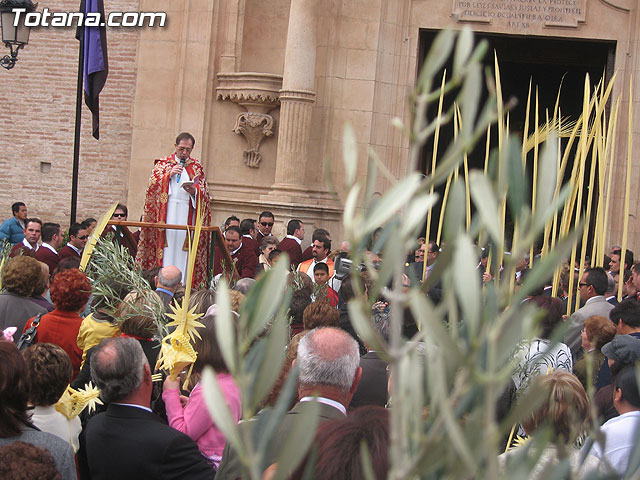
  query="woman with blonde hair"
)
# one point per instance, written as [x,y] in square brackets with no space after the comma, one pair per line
[563,415]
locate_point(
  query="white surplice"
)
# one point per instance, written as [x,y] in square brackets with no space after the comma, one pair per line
[178,214]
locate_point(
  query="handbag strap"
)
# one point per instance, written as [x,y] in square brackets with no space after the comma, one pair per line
[36,321]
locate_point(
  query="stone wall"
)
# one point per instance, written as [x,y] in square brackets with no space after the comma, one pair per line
[37,114]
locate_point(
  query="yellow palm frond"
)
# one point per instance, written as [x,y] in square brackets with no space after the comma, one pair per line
[176,351]
[95,236]
[74,401]
[543,131]
[185,323]
[1,267]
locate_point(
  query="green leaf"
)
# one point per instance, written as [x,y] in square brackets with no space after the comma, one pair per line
[267,294]
[349,155]
[469,99]
[455,212]
[270,364]
[484,199]
[413,217]
[363,325]
[268,424]
[387,207]
[464,47]
[225,328]
[547,173]
[351,223]
[298,440]
[436,58]
[518,189]
[365,459]
[545,267]
[467,282]
[217,405]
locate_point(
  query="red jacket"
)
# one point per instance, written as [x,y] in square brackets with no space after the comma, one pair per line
[61,328]
[293,249]
[67,251]
[47,256]
[245,260]
[20,249]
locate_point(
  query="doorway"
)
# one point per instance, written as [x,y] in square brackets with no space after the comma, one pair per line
[551,63]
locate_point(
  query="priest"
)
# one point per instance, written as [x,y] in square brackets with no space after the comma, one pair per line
[176,186]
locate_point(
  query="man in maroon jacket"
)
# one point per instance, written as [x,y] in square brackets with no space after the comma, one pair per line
[29,246]
[78,236]
[244,258]
[51,241]
[265,225]
[291,243]
[248,235]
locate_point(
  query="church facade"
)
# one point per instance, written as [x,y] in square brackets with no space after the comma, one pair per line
[266,88]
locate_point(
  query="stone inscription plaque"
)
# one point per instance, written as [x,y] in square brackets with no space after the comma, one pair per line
[514,15]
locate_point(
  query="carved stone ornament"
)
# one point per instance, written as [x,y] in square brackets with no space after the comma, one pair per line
[254,127]
[258,93]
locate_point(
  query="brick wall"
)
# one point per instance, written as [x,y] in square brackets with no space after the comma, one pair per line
[37,117]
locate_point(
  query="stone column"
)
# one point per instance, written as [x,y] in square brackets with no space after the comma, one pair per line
[296,97]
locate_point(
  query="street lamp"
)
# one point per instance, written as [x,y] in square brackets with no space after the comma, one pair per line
[14,37]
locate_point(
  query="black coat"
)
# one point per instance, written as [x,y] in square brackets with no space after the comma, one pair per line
[130,443]
[372,389]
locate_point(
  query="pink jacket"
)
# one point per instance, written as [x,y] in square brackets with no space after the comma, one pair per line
[194,419]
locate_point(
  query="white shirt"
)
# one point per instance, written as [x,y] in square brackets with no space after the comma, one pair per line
[77,250]
[141,407]
[28,245]
[309,272]
[620,433]
[326,401]
[294,238]
[46,245]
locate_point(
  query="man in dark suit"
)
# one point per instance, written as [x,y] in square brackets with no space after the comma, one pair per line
[51,241]
[372,389]
[328,364]
[128,441]
[78,236]
[592,287]
[167,280]
[291,243]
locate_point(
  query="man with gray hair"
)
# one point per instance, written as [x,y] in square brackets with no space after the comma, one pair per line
[128,441]
[372,389]
[167,280]
[329,374]
[244,285]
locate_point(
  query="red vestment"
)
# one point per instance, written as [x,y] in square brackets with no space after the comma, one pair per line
[153,240]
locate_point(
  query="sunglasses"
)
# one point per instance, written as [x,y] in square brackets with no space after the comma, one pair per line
[83,237]
[120,215]
[582,284]
[266,224]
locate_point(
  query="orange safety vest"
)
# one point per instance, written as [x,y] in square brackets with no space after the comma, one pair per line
[304,267]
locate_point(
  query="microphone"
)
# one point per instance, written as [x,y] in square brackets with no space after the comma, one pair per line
[182,160]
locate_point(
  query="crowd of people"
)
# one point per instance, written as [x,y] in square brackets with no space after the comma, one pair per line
[46,296]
